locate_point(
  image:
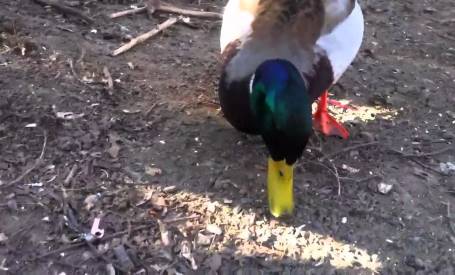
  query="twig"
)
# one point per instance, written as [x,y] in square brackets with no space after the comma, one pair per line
[33,167]
[73,71]
[70,176]
[333,172]
[337,176]
[430,154]
[181,219]
[347,149]
[200,14]
[144,37]
[65,9]
[59,250]
[426,166]
[110,83]
[170,9]
[127,12]
[362,179]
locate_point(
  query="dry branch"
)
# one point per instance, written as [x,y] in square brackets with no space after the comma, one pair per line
[170,9]
[144,37]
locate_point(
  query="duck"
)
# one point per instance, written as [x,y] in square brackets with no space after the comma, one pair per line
[278,57]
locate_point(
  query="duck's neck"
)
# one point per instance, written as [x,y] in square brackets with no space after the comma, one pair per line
[281,106]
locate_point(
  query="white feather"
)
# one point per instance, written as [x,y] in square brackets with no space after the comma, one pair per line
[236,25]
[343,43]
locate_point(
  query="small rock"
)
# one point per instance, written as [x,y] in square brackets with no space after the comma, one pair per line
[451,114]
[384,188]
[3,237]
[214,229]
[447,168]
[203,239]
[12,204]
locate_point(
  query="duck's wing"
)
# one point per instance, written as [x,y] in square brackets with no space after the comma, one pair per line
[336,11]
[307,20]
[256,30]
[237,18]
[296,21]
[343,42]
[339,48]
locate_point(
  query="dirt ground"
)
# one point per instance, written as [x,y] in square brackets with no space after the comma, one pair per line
[178,190]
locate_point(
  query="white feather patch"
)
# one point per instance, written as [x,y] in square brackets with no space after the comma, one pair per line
[343,43]
[236,24]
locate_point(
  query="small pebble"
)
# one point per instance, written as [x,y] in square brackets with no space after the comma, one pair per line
[384,188]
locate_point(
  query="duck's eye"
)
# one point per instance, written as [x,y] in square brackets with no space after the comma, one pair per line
[281,173]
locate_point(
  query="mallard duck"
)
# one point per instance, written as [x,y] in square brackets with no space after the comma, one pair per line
[278,57]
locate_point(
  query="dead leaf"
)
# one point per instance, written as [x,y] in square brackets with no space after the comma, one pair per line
[214,229]
[350,169]
[115,148]
[90,201]
[203,239]
[110,82]
[158,201]
[165,234]
[245,234]
[153,171]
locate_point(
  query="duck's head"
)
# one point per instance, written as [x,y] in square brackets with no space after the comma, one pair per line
[281,107]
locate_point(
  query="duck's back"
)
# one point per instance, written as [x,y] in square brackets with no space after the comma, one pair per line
[299,31]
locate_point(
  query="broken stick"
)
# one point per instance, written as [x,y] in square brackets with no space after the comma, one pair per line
[170,9]
[144,37]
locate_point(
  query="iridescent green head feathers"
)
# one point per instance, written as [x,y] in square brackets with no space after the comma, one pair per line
[281,106]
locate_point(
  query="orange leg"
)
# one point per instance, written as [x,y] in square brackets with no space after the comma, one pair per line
[325,122]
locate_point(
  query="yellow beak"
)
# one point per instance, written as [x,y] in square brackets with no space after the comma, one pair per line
[280,188]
